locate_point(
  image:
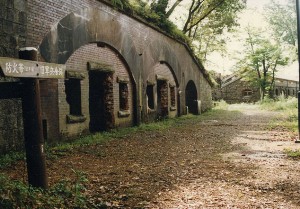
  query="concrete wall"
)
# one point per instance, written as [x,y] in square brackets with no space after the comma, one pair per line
[13,21]
[76,32]
[78,62]
[139,46]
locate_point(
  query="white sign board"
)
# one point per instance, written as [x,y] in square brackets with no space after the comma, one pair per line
[31,69]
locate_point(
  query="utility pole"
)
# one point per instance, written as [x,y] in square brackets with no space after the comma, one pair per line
[298,35]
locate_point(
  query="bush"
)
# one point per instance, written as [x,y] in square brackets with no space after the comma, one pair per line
[281,103]
[65,194]
[286,106]
[222,105]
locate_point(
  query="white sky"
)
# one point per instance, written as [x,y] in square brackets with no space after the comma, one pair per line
[254,18]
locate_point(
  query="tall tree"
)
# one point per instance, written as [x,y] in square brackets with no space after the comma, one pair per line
[159,7]
[201,10]
[204,24]
[173,7]
[283,20]
[262,57]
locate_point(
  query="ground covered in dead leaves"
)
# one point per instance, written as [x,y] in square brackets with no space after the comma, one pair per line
[225,160]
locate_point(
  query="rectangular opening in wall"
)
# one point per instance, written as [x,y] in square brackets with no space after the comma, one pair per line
[162,98]
[73,94]
[101,101]
[123,96]
[150,96]
[173,96]
[45,129]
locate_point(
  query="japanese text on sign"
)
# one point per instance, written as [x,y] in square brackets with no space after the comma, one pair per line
[24,68]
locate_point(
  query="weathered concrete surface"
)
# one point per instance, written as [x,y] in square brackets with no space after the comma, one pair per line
[60,29]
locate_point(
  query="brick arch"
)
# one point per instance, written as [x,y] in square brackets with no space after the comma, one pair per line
[89,25]
[86,26]
[161,52]
[191,97]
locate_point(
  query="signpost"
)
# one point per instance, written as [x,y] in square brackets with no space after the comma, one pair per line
[30,69]
[29,73]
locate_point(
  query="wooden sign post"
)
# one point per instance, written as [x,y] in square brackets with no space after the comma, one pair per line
[29,72]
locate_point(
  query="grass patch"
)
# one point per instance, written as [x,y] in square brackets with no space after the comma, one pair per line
[287,110]
[295,154]
[10,158]
[280,104]
[221,105]
[65,194]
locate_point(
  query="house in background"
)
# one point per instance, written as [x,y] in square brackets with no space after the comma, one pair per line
[234,89]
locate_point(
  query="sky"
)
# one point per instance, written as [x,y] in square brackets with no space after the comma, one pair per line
[252,16]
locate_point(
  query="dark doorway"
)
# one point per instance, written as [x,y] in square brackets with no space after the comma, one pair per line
[101,101]
[162,98]
[191,97]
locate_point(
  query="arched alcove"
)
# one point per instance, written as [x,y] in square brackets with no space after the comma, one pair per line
[191,97]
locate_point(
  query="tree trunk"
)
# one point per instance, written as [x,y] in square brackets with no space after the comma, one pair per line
[171,10]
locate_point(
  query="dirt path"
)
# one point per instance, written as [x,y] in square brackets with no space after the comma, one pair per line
[228,160]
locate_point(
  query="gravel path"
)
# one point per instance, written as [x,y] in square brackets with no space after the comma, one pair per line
[272,180]
[224,160]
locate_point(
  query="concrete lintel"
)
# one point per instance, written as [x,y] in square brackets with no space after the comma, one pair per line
[122,79]
[74,75]
[101,67]
[150,83]
[161,78]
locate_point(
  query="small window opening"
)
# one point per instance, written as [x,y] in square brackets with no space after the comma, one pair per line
[73,93]
[150,96]
[45,129]
[123,95]
[173,96]
[247,92]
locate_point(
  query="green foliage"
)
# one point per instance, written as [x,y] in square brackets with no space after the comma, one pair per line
[222,105]
[118,3]
[280,104]
[295,154]
[261,59]
[288,107]
[10,158]
[283,20]
[65,194]
[207,21]
[160,7]
[155,15]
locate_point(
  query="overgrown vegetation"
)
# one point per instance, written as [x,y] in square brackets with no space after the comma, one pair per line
[8,159]
[65,194]
[292,153]
[153,14]
[221,105]
[288,107]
